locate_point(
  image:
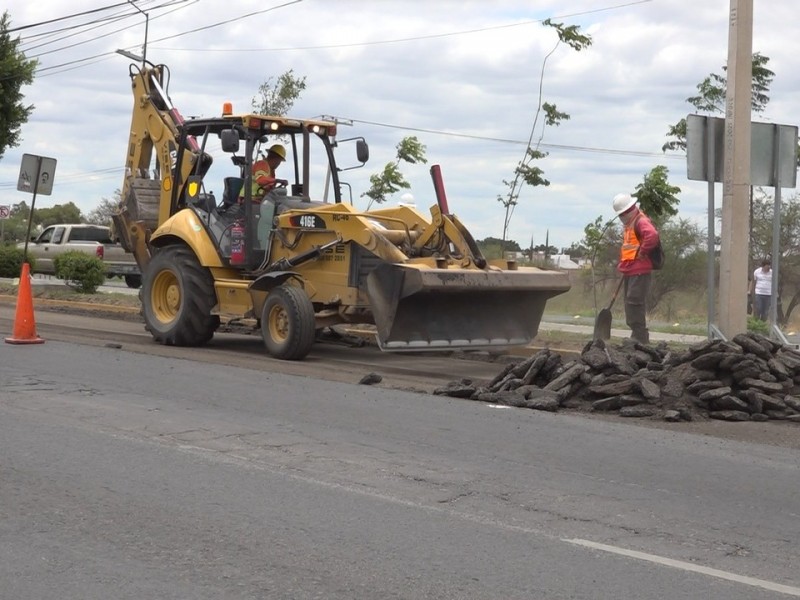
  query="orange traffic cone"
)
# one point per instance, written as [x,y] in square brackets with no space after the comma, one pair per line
[24,325]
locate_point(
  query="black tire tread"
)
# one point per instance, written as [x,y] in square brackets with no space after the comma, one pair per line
[194,324]
[302,332]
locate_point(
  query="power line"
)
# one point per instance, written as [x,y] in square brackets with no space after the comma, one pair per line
[72,16]
[520,142]
[117,171]
[406,39]
[217,24]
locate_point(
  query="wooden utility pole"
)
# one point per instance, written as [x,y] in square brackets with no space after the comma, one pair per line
[734,264]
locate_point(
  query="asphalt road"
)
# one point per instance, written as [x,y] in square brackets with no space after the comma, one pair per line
[130,475]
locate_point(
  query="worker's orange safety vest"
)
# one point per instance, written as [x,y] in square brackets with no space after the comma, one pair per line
[630,243]
[260,169]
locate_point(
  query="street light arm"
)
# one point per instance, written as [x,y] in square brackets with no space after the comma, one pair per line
[146,27]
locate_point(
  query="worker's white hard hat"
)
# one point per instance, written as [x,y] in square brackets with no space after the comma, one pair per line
[623,202]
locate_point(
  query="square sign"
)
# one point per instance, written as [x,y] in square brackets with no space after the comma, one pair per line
[34,166]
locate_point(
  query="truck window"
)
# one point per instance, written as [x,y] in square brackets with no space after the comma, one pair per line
[45,236]
[58,235]
[90,234]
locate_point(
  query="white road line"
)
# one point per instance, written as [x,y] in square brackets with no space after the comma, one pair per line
[686,566]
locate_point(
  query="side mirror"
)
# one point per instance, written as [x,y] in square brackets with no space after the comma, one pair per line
[230,140]
[362,151]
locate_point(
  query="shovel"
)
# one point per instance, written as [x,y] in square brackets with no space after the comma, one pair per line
[602,325]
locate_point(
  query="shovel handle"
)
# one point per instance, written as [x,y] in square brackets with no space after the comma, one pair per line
[616,292]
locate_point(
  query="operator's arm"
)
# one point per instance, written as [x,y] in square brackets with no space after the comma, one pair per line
[262,175]
[647,235]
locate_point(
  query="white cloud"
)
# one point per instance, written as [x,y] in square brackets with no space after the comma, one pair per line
[414,70]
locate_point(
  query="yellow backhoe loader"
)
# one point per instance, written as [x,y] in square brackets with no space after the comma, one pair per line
[292,265]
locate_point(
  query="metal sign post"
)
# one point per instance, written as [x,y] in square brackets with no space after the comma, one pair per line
[773,163]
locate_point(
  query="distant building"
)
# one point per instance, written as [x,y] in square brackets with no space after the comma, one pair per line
[564,262]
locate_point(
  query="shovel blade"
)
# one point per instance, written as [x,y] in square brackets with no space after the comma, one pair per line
[602,325]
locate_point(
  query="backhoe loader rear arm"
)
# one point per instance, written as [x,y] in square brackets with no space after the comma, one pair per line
[146,194]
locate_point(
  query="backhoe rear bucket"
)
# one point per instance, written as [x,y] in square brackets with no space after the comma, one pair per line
[419,309]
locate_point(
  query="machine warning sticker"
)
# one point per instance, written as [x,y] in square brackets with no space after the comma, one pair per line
[307,221]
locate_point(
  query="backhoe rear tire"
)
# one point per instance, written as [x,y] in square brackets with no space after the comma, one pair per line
[177,298]
[287,323]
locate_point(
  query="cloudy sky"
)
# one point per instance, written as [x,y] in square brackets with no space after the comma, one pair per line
[461,75]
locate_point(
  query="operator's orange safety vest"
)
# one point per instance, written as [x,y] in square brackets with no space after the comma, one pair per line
[261,170]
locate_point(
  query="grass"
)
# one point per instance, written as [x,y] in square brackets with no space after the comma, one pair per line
[71,295]
[683,313]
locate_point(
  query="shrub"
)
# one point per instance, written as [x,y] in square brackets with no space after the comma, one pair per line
[11,261]
[757,325]
[82,271]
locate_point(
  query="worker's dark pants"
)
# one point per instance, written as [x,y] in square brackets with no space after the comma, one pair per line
[637,287]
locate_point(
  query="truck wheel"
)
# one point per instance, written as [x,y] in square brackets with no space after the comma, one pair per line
[177,298]
[287,323]
[133,281]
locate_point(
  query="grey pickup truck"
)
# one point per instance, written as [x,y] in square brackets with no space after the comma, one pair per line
[92,239]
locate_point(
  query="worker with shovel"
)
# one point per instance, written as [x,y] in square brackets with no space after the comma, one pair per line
[640,238]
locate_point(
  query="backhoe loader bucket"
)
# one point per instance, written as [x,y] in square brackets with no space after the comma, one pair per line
[423,309]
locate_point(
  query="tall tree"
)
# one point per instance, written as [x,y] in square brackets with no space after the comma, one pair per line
[710,98]
[526,171]
[391,179]
[15,71]
[277,96]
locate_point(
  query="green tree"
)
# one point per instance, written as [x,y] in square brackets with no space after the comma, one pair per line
[492,247]
[657,197]
[101,214]
[576,250]
[526,172]
[16,226]
[391,180]
[711,95]
[277,96]
[60,213]
[15,71]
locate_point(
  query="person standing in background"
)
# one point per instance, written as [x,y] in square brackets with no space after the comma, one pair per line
[761,290]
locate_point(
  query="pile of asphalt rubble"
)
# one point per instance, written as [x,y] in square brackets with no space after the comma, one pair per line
[748,378]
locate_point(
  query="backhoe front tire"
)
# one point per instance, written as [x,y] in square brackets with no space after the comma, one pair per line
[133,281]
[177,298]
[287,323]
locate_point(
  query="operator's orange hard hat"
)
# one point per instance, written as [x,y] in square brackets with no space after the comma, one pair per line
[279,150]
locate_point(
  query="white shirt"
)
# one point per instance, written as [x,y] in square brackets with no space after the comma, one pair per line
[763,281]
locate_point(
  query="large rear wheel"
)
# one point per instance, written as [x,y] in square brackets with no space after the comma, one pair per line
[177,298]
[287,323]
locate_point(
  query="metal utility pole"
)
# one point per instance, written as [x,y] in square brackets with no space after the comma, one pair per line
[734,264]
